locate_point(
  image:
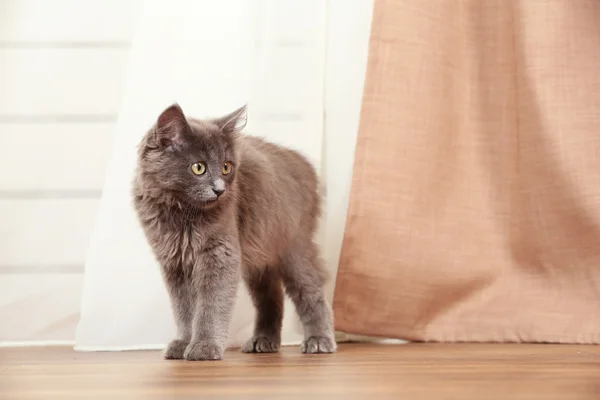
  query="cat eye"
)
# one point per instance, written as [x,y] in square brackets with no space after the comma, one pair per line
[198,168]
[227,167]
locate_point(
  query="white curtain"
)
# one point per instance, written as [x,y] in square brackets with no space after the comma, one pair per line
[298,64]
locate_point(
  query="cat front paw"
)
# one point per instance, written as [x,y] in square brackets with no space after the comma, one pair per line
[175,350]
[261,344]
[203,350]
[318,345]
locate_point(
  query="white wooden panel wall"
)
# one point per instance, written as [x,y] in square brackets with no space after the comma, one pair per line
[62,72]
[45,82]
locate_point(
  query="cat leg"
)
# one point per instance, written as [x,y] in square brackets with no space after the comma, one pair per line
[182,304]
[266,290]
[304,277]
[214,280]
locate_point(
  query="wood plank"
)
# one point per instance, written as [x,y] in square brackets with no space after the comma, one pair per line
[39,307]
[54,156]
[45,232]
[413,371]
[61,81]
[43,21]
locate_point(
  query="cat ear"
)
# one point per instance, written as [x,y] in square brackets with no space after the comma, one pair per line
[171,126]
[233,122]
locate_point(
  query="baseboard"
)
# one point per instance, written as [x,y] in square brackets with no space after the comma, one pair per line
[37,343]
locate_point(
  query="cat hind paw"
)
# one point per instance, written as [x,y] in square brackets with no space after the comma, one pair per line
[261,344]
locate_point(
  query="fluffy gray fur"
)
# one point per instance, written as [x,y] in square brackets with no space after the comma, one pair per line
[256,221]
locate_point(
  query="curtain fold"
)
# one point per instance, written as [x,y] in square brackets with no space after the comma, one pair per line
[475,204]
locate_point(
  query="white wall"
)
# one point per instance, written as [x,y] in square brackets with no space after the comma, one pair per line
[62,77]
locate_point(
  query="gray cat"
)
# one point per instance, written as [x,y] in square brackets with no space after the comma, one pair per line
[216,205]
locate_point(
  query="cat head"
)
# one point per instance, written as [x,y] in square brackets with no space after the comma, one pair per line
[193,160]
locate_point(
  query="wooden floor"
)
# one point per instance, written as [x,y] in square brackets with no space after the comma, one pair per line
[357,371]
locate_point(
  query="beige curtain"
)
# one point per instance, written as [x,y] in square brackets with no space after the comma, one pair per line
[475,204]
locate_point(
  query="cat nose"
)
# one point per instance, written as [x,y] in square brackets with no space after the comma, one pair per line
[218,191]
